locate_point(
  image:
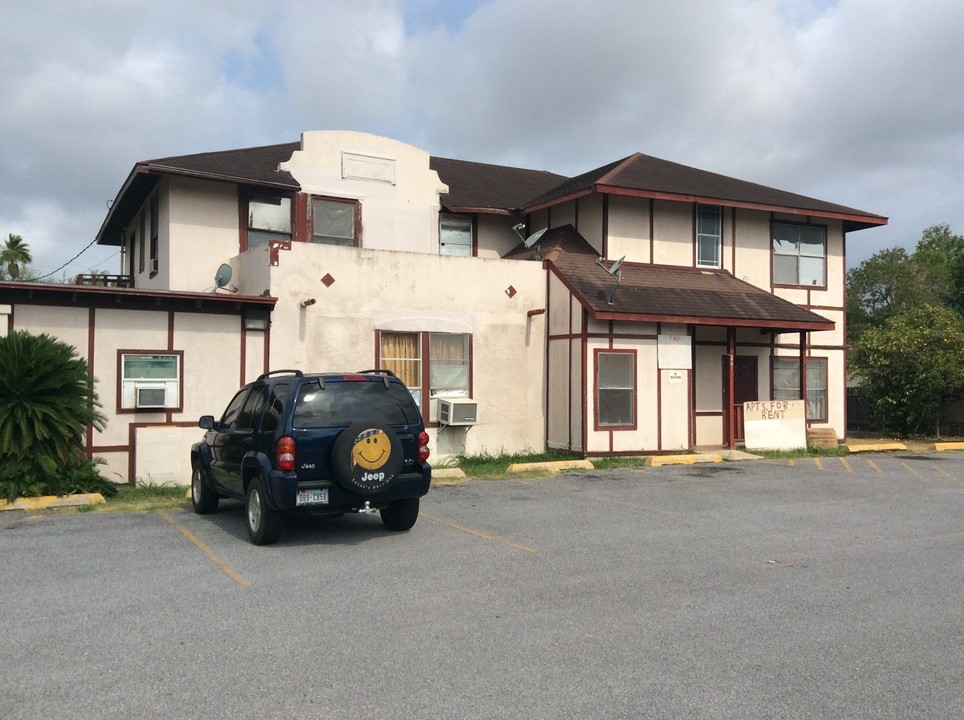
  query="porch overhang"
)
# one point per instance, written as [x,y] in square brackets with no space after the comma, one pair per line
[665,294]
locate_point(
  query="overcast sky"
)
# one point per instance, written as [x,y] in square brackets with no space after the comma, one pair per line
[858,102]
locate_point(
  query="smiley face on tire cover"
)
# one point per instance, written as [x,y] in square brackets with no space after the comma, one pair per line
[371,449]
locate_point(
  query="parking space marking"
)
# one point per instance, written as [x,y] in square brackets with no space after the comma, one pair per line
[874,466]
[946,474]
[476,533]
[843,461]
[212,556]
[912,471]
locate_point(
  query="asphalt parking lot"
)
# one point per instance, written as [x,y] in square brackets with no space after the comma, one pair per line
[817,589]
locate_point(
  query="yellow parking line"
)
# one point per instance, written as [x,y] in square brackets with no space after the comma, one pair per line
[874,466]
[212,556]
[476,533]
[913,472]
[816,461]
[843,461]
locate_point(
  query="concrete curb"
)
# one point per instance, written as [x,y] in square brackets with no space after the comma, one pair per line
[942,446]
[552,466]
[875,447]
[53,501]
[447,474]
[660,460]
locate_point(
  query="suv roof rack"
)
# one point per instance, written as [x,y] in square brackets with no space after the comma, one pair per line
[296,373]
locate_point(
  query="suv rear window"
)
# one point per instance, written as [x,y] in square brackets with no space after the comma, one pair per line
[340,402]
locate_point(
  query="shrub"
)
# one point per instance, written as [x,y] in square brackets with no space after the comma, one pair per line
[47,401]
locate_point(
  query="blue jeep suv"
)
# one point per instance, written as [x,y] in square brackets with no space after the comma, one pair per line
[323,443]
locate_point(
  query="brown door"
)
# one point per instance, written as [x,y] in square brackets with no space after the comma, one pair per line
[745,389]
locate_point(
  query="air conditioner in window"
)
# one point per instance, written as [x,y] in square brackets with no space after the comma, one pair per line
[150,396]
[458,411]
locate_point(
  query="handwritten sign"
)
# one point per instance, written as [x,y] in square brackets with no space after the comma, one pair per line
[775,424]
[674,352]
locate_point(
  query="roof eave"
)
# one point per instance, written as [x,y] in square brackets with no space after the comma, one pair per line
[852,220]
[771,325]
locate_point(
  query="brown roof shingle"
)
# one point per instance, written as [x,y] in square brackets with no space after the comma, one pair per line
[656,293]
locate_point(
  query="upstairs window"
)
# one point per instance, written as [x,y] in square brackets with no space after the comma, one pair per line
[799,254]
[269,218]
[455,235]
[333,222]
[709,235]
[155,230]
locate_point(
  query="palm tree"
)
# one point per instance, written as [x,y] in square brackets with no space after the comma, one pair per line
[15,255]
[47,399]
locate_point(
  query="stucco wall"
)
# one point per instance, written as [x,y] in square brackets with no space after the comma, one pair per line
[398,192]
[381,290]
[157,442]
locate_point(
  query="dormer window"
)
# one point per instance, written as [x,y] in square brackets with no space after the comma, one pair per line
[455,235]
[333,222]
[269,218]
[708,236]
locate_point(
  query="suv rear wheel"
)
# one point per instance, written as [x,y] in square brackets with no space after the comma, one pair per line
[264,524]
[400,515]
[203,498]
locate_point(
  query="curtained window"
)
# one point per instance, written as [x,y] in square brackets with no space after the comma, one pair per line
[431,364]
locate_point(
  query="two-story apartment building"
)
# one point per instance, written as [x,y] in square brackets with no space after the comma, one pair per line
[649,300]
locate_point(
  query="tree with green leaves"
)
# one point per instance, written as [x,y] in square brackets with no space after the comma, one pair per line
[47,402]
[907,365]
[894,282]
[15,256]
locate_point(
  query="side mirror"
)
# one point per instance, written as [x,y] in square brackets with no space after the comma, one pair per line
[206,422]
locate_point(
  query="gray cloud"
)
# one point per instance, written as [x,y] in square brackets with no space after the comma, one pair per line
[858,102]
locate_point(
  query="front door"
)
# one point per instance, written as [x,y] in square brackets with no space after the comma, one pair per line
[745,389]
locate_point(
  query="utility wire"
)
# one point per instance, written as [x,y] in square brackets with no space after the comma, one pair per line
[69,261]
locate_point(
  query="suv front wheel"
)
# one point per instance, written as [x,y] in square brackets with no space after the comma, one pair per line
[203,498]
[264,524]
[400,515]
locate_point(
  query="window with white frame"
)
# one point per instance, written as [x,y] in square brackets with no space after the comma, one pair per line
[269,218]
[455,235]
[799,254]
[615,389]
[431,364]
[333,222]
[150,381]
[709,235]
[786,384]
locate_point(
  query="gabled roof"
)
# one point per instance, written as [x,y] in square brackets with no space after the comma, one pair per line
[659,293]
[645,176]
[478,187]
[483,188]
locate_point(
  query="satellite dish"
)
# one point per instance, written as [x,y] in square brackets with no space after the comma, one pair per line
[614,268]
[223,276]
[535,237]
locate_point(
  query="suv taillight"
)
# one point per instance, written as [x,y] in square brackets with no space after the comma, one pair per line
[284,456]
[423,451]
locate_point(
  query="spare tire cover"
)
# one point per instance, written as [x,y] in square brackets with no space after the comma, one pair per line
[367,458]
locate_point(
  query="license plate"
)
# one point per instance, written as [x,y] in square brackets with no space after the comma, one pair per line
[312,496]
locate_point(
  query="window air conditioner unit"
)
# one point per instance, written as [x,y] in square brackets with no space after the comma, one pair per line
[150,396]
[458,411]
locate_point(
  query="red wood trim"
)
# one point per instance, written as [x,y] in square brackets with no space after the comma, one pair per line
[652,231]
[585,381]
[690,390]
[475,235]
[803,375]
[733,241]
[244,354]
[300,227]
[767,207]
[91,345]
[610,429]
[605,226]
[731,388]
